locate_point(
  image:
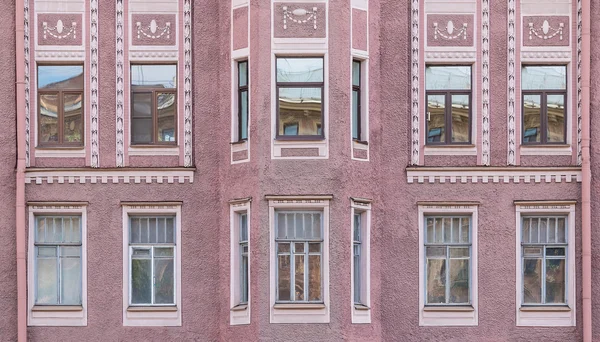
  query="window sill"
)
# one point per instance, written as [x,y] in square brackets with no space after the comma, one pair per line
[60,148]
[239,142]
[556,150]
[300,139]
[152,308]
[560,308]
[466,308]
[361,307]
[55,308]
[240,307]
[149,150]
[297,306]
[361,142]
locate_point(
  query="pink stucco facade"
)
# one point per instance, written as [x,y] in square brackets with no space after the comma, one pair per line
[392,167]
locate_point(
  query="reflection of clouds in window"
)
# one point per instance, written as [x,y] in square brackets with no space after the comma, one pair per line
[59,76]
[448,77]
[299,70]
[154,75]
[544,77]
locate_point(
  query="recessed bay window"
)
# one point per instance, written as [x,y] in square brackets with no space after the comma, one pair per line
[153,104]
[356,100]
[242,122]
[60,105]
[300,98]
[544,114]
[448,115]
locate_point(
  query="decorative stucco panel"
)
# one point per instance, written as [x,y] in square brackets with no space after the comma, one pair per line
[153,29]
[299,20]
[450,29]
[546,31]
[59,29]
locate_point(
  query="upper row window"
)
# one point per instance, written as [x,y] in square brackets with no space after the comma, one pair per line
[60,105]
[544,99]
[300,98]
[448,91]
[154,104]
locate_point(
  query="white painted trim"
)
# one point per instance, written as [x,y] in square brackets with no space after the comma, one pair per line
[360,4]
[56,318]
[492,175]
[528,150]
[432,150]
[153,151]
[71,176]
[58,153]
[458,317]
[312,315]
[364,108]
[152,318]
[361,316]
[238,317]
[547,318]
[237,56]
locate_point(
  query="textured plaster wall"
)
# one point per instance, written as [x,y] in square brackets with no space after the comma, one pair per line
[8,265]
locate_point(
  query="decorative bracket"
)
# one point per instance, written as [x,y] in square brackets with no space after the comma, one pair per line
[152,31]
[449,30]
[546,31]
[57,31]
[299,12]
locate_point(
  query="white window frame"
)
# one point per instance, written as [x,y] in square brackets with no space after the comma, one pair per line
[363,144]
[545,315]
[361,312]
[239,313]
[467,315]
[56,315]
[299,312]
[151,315]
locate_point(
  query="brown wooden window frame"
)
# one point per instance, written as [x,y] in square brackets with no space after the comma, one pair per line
[241,90]
[155,91]
[448,110]
[279,85]
[357,89]
[543,93]
[60,93]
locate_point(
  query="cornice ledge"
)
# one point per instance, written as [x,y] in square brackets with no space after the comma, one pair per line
[493,174]
[109,175]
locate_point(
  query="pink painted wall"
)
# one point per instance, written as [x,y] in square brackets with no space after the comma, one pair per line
[360,22]
[205,217]
[240,28]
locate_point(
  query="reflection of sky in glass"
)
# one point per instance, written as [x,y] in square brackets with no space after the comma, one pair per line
[448,77]
[299,69]
[49,74]
[300,95]
[154,75]
[544,77]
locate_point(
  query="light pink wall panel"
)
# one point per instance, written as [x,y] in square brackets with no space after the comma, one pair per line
[240,28]
[450,29]
[299,20]
[153,29]
[546,31]
[360,22]
[59,29]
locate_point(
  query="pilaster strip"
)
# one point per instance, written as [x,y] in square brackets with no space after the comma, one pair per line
[415,82]
[187,86]
[94,83]
[27,79]
[579,27]
[511,160]
[120,53]
[485,85]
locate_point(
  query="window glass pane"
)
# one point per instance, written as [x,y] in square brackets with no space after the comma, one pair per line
[532,280]
[356,73]
[299,277]
[436,118]
[551,230]
[60,77]
[555,281]
[144,231]
[152,231]
[543,228]
[355,114]
[48,118]
[460,118]
[135,232]
[448,77]
[243,74]
[166,111]
[141,118]
[436,252]
[283,275]
[532,118]
[300,111]
[555,106]
[76,229]
[283,248]
[161,230]
[290,225]
[47,276]
[439,236]
[447,229]
[70,278]
[555,251]
[314,248]
[356,227]
[244,278]
[562,230]
[535,230]
[544,77]
[308,229]
[356,276]
[314,278]
[243,227]
[299,226]
[436,281]
[141,280]
[40,229]
[73,117]
[316,225]
[455,230]
[58,227]
[156,76]
[164,287]
[244,114]
[465,232]
[429,235]
[533,251]
[170,230]
[459,280]
[299,69]
[299,247]
[461,252]
[526,230]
